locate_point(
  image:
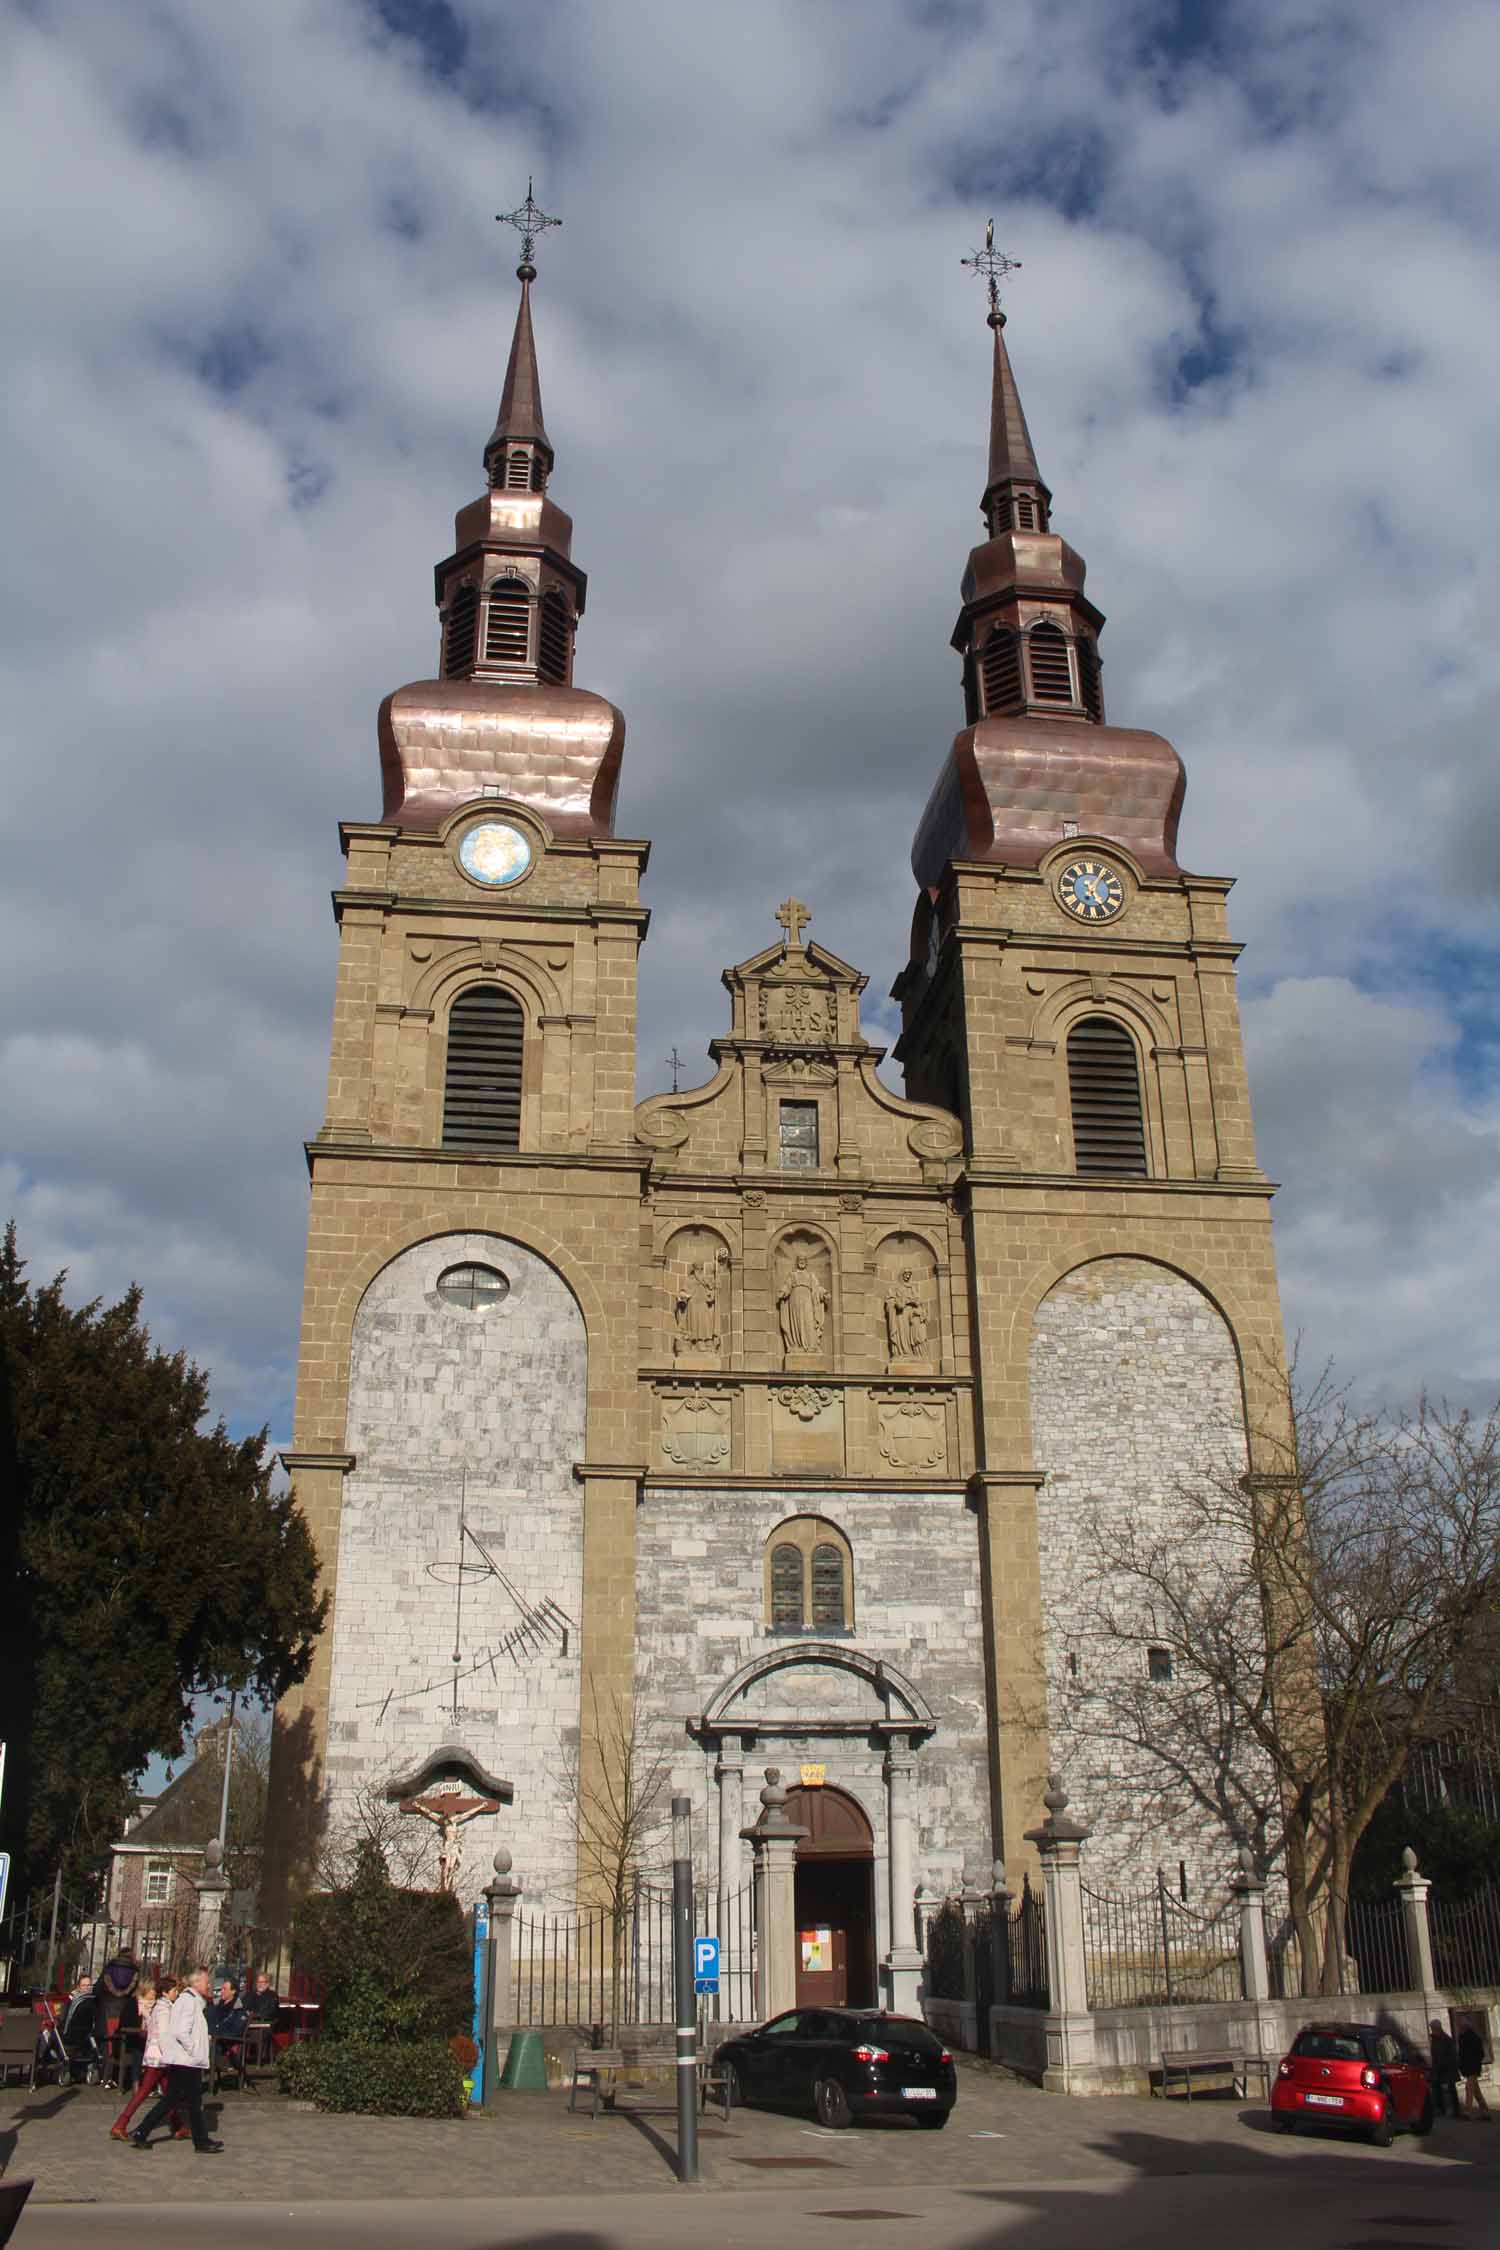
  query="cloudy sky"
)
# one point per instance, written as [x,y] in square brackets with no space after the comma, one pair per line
[258,311]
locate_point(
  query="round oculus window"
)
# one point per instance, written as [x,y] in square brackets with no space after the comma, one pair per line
[472,1286]
[494,853]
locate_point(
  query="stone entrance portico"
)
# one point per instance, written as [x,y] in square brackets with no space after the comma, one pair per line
[828,1709]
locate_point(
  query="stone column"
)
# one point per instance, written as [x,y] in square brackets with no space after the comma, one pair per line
[501,1896]
[774,1839]
[903,1963]
[213,1893]
[1071,2065]
[729,1773]
[1412,1888]
[1250,1889]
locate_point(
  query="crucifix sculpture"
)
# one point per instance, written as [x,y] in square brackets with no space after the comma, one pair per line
[793,916]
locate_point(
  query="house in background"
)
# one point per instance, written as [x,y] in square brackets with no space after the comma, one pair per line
[153,1868]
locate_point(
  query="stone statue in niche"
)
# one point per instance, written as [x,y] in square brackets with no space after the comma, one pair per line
[697,1298]
[695,1309]
[906,1316]
[802,1307]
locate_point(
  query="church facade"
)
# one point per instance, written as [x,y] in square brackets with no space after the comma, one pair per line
[761,1423]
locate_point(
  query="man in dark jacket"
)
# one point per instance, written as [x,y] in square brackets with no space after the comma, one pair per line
[1470,2064]
[1444,2070]
[226,2024]
[266,2006]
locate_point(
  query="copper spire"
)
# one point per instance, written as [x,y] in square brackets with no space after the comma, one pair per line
[1012,456]
[504,718]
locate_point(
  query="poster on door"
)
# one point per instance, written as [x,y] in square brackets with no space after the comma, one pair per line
[817,1950]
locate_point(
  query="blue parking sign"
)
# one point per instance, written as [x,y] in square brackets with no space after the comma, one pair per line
[705,1964]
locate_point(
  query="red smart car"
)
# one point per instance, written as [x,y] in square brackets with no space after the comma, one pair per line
[1353,2074]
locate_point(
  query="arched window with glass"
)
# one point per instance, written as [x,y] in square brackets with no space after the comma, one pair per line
[809,1577]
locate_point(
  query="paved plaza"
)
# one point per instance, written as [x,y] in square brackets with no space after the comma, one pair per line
[1011,2161]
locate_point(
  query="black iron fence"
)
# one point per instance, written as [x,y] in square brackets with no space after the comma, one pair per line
[1149,1949]
[1026,1942]
[589,1967]
[51,1939]
[1375,1946]
[1466,1939]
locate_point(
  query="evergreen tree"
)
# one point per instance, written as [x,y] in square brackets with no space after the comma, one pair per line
[144,1560]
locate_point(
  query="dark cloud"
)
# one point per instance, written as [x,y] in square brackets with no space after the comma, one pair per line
[259,311]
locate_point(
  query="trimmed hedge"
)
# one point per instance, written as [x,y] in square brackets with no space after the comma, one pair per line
[417,2078]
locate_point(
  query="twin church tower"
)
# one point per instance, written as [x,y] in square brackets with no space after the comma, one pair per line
[769,1421]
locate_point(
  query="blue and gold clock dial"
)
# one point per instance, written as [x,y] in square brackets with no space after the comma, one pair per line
[1090,890]
[494,854]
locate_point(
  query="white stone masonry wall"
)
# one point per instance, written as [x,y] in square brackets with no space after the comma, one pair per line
[700,1594]
[495,1397]
[1135,1399]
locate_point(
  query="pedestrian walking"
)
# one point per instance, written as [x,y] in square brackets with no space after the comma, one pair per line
[1471,2059]
[156,2010]
[185,2054]
[1444,2069]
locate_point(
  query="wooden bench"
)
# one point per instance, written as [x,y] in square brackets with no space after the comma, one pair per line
[602,2069]
[1186,2062]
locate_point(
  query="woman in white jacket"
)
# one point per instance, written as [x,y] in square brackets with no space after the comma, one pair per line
[184,2050]
[156,2009]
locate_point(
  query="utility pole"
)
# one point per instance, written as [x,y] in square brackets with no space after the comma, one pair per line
[228,1761]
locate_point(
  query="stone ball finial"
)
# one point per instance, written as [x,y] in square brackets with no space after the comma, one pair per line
[1409,1861]
[502,1861]
[213,1856]
[997,1875]
[1056,1797]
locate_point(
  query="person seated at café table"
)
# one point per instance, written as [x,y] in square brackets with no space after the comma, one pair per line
[226,2021]
[265,2006]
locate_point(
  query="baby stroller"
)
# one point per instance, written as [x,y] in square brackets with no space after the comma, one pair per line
[71,2048]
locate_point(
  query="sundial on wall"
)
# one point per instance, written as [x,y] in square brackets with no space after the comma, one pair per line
[538,1627]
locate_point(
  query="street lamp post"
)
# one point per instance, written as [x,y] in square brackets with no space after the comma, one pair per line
[685,2006]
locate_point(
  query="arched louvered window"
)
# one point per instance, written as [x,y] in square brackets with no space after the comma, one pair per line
[809,1577]
[1002,516]
[553,652]
[507,621]
[786,1585]
[538,474]
[1104,1090]
[518,472]
[1025,512]
[1051,674]
[1088,677]
[458,636]
[482,1083]
[1002,670]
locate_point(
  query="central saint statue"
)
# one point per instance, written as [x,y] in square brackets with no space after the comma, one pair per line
[803,1307]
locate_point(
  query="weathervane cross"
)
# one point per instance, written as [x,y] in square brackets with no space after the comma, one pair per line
[793,915]
[992,264]
[529,220]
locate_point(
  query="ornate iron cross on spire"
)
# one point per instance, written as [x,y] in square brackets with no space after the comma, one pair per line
[993,264]
[529,220]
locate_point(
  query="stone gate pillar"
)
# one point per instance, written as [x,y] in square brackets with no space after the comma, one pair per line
[1412,1888]
[774,1840]
[1071,2064]
[903,1963]
[501,1896]
[212,1888]
[1250,1889]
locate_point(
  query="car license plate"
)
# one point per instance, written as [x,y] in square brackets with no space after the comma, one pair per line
[919,2093]
[1325,2101]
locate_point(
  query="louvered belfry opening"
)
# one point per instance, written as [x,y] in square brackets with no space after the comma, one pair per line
[458,635]
[1088,679]
[507,622]
[553,639]
[1104,1088]
[482,1083]
[1002,671]
[518,472]
[1051,675]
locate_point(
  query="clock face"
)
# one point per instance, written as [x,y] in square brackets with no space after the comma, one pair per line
[494,853]
[1090,889]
